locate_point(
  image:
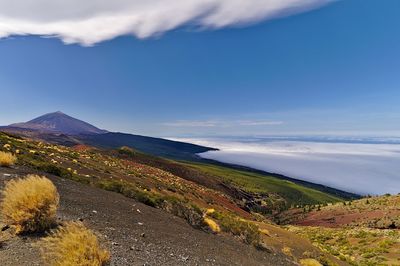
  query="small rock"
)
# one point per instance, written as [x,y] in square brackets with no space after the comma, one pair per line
[139,223]
[114,244]
[138,211]
[94,211]
[142,234]
[4,228]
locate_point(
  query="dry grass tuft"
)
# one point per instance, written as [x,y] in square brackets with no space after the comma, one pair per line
[213,225]
[30,204]
[309,262]
[73,244]
[7,159]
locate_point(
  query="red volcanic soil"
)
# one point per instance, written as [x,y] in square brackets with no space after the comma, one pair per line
[230,206]
[82,148]
[342,216]
[337,219]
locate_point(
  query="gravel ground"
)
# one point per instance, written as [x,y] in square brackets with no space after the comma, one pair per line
[135,233]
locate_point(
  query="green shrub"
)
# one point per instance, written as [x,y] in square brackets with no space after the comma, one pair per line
[247,231]
[126,151]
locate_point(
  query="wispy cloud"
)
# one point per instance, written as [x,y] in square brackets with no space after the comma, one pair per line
[220,123]
[92,21]
[187,123]
[259,123]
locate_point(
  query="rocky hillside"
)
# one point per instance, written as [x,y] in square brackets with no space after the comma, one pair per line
[152,210]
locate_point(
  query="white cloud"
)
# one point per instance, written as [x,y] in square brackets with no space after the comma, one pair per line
[92,21]
[354,167]
[219,123]
[184,123]
[259,123]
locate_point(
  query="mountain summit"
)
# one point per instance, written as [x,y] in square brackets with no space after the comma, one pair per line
[60,123]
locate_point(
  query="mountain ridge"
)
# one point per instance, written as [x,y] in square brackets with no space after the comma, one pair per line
[59,122]
[60,128]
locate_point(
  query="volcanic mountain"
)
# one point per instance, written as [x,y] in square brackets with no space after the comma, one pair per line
[63,129]
[59,122]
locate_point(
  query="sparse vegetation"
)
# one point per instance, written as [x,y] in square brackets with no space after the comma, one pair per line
[245,230]
[356,246]
[289,193]
[146,179]
[7,159]
[73,244]
[309,262]
[30,204]
[132,191]
[125,150]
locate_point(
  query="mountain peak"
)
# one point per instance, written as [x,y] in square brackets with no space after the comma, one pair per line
[59,122]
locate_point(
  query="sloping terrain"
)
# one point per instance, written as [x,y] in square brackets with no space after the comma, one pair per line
[135,233]
[154,146]
[158,178]
[60,123]
[375,212]
[59,128]
[169,188]
[361,232]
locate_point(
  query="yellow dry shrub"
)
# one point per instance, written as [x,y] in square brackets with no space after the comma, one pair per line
[210,211]
[213,225]
[30,203]
[287,251]
[73,244]
[264,232]
[7,159]
[309,262]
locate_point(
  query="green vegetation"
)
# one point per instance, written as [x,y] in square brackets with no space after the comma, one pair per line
[186,189]
[131,191]
[356,246]
[245,230]
[292,193]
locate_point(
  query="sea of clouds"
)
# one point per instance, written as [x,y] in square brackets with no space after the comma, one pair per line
[364,166]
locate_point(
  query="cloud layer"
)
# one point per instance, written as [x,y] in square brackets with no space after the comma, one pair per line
[360,168]
[92,21]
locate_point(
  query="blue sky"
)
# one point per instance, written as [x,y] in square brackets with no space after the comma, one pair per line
[331,70]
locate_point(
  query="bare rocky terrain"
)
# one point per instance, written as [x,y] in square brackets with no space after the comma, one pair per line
[135,233]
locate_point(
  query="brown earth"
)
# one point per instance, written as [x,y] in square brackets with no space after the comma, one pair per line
[359,213]
[135,233]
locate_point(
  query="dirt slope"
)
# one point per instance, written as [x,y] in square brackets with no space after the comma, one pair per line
[145,237]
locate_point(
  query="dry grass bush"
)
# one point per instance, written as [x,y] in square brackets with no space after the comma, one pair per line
[309,262]
[7,159]
[245,230]
[212,225]
[30,203]
[73,244]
